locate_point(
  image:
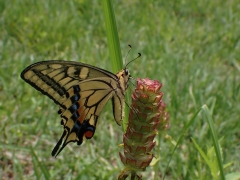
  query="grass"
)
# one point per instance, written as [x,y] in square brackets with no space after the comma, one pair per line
[192,47]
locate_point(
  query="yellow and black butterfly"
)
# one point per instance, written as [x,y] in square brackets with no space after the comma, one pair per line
[81,91]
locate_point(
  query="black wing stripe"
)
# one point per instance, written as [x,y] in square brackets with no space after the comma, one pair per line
[51,96]
[49,81]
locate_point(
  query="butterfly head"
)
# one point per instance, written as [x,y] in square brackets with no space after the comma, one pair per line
[123,77]
[126,76]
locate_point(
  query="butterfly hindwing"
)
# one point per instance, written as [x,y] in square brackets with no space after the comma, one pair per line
[81,91]
[83,107]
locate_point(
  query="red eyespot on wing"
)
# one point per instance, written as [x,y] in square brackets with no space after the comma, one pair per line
[88,134]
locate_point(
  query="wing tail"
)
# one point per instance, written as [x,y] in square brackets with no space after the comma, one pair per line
[77,134]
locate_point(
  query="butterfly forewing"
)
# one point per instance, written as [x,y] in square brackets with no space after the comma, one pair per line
[82,91]
[54,78]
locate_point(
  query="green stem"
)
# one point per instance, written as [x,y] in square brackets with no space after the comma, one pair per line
[114,45]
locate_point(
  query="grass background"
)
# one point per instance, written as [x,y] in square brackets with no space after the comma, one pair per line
[191,46]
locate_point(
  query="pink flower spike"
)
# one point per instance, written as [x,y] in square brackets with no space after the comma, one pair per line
[146,118]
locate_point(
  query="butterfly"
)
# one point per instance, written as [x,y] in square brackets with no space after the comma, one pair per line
[81,91]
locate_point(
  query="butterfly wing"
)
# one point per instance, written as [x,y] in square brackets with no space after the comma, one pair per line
[81,90]
[83,107]
[54,78]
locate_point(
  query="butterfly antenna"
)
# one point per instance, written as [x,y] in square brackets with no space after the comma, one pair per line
[139,55]
[130,47]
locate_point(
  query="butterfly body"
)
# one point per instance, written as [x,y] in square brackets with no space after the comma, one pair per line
[81,91]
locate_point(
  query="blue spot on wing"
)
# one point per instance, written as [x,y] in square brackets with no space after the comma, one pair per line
[75,98]
[74,107]
[76,89]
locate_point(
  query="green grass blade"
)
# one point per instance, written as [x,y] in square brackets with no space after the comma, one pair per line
[39,164]
[214,136]
[215,140]
[112,36]
[181,138]
[204,156]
